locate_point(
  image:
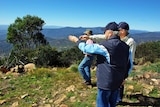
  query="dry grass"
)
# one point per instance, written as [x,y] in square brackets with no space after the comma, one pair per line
[62,87]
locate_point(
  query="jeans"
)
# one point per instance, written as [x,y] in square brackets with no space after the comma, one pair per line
[106,98]
[84,67]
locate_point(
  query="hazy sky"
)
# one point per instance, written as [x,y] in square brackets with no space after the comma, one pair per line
[140,14]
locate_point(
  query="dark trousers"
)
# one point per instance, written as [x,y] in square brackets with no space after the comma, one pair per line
[120,93]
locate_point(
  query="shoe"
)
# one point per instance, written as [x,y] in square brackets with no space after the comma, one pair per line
[88,83]
[119,103]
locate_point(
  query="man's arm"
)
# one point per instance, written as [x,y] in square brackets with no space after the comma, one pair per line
[132,45]
[97,36]
[94,49]
[73,38]
[130,65]
[90,48]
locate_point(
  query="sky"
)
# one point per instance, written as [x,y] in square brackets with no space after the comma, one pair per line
[139,14]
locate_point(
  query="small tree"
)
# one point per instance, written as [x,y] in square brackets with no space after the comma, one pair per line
[47,56]
[71,56]
[25,34]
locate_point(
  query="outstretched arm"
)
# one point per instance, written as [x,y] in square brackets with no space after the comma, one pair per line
[90,48]
[73,38]
[97,36]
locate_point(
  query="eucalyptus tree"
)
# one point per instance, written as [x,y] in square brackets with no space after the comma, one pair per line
[25,34]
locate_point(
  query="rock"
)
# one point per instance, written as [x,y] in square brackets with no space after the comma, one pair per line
[29,67]
[60,99]
[146,75]
[70,88]
[147,89]
[2,101]
[45,105]
[3,69]
[63,105]
[155,81]
[130,87]
[35,105]
[23,96]
[73,99]
[15,104]
[54,69]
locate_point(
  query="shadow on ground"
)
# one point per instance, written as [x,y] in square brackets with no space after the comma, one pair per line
[143,101]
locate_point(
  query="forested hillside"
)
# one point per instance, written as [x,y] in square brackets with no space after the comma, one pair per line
[57,37]
[146,37]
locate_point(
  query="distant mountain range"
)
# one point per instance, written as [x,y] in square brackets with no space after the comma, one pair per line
[57,32]
[57,36]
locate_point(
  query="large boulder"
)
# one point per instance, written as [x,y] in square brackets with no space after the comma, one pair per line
[29,67]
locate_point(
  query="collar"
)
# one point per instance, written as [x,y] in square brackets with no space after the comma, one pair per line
[125,39]
[114,37]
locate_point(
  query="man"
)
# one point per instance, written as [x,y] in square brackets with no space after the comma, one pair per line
[123,28]
[124,36]
[85,65]
[113,64]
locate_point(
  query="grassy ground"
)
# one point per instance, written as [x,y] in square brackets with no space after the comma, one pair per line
[62,87]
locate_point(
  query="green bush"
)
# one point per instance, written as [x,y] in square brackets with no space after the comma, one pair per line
[149,51]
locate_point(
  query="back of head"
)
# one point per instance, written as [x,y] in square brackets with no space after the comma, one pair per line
[88,32]
[111,26]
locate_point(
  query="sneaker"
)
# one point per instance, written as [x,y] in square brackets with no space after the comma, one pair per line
[119,102]
[88,83]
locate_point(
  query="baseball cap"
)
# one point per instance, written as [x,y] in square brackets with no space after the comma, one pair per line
[88,32]
[111,26]
[123,25]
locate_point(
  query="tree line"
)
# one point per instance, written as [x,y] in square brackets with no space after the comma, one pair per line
[31,46]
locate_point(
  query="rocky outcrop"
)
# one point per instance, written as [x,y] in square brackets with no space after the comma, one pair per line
[29,67]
